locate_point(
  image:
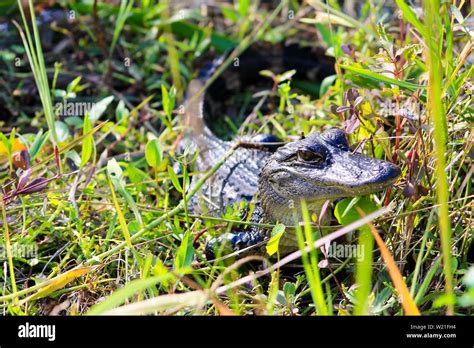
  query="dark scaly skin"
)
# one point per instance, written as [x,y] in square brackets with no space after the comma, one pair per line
[317,168]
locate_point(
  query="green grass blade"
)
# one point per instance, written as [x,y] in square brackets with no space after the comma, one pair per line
[132,288]
[35,56]
[364,272]
[439,121]
[410,16]
[310,261]
[124,11]
[381,78]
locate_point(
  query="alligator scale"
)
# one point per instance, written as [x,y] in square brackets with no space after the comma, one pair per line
[316,168]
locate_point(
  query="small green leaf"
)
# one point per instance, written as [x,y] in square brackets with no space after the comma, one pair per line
[137,176]
[350,205]
[444,300]
[346,214]
[121,113]
[154,153]
[379,151]
[174,179]
[326,84]
[72,86]
[160,270]
[326,34]
[273,243]
[12,136]
[287,75]
[185,253]
[284,89]
[289,289]
[267,73]
[133,226]
[230,14]
[168,100]
[88,142]
[38,144]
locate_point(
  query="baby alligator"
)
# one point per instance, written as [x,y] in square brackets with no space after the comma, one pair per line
[315,169]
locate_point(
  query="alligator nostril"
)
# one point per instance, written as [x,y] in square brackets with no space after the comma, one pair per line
[396,171]
[384,169]
[392,171]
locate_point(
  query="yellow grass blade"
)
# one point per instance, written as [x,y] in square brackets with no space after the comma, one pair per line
[121,217]
[58,282]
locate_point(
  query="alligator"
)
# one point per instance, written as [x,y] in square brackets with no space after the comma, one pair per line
[275,176]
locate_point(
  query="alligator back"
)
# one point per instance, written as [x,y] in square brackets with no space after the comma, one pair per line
[236,180]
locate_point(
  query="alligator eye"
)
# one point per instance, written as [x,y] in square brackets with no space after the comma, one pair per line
[310,156]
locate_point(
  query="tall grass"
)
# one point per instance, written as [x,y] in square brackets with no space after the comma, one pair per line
[432,33]
[434,41]
[173,54]
[35,56]
[124,11]
[364,272]
[310,260]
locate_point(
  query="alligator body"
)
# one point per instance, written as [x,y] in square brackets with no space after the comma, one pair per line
[317,168]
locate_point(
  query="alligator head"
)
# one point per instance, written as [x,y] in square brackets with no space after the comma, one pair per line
[317,168]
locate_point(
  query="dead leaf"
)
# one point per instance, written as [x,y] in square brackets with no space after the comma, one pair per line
[57,283]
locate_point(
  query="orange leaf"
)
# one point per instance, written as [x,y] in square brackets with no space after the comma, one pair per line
[222,308]
[16,147]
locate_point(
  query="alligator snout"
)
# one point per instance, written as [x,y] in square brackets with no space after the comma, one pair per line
[357,171]
[380,175]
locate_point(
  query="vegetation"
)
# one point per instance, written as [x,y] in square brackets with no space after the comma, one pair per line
[94,213]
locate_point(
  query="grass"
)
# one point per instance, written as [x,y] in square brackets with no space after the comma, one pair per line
[107,220]
[433,39]
[34,52]
[310,262]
